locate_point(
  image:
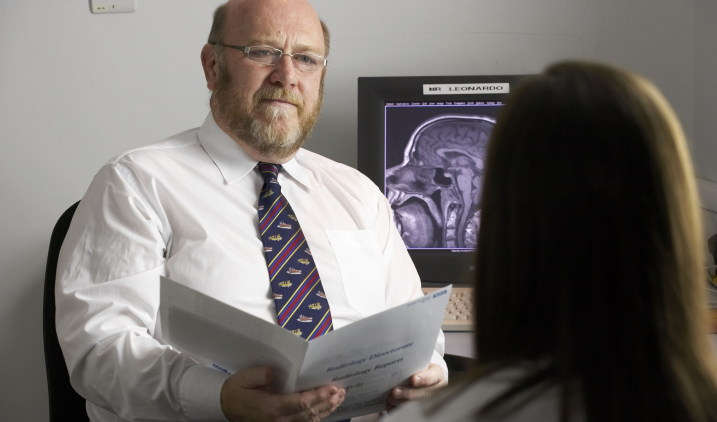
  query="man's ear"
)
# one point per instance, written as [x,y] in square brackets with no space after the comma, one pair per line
[209,65]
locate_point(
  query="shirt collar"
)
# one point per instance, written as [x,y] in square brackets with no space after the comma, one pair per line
[233,162]
[297,171]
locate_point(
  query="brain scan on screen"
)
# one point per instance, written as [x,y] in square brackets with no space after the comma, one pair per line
[435,191]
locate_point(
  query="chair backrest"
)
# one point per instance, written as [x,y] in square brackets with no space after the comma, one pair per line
[65,403]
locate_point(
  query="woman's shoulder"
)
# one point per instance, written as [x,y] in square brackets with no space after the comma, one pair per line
[458,402]
[462,401]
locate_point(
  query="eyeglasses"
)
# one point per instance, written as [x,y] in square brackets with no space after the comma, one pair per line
[269,56]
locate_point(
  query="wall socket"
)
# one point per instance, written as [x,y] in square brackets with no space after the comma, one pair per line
[113,6]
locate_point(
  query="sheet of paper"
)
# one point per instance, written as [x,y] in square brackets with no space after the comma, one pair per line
[371,356]
[227,338]
[368,357]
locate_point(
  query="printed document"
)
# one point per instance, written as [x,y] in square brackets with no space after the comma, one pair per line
[367,358]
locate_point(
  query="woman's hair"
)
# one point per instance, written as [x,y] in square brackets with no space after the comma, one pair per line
[589,255]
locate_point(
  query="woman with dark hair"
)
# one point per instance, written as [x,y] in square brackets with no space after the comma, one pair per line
[590,289]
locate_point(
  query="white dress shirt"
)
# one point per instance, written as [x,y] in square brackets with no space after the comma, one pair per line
[186,208]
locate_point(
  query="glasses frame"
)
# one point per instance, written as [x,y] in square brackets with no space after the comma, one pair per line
[246,49]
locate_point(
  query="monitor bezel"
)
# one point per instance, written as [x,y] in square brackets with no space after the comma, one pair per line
[433,266]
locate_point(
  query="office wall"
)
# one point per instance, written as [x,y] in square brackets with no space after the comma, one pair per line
[77,88]
[704,96]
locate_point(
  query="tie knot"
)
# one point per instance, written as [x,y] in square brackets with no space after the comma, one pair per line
[269,171]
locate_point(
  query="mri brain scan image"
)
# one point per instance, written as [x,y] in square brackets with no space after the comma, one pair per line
[435,192]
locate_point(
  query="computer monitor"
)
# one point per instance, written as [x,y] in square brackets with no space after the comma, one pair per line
[423,141]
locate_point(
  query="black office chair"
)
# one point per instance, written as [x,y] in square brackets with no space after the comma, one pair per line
[65,403]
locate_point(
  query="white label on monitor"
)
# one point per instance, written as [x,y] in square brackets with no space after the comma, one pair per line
[452,89]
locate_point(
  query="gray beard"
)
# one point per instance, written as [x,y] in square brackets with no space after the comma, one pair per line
[273,138]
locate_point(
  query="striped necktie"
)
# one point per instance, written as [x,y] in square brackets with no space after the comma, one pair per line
[301,304]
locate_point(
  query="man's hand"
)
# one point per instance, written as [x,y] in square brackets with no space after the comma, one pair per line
[245,397]
[423,383]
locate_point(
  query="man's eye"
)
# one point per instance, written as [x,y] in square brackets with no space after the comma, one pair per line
[304,58]
[260,52]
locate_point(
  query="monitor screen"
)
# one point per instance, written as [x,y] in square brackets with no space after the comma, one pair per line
[423,141]
[435,153]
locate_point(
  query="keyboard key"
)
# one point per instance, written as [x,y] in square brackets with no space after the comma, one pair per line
[459,311]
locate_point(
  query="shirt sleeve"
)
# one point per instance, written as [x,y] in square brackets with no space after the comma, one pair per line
[107,297]
[403,283]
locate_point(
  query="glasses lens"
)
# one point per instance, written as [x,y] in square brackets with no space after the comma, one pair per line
[308,62]
[264,55]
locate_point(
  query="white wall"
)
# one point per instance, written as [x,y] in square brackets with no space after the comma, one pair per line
[705,95]
[77,88]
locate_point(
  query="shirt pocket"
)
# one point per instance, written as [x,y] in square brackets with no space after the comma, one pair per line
[362,269]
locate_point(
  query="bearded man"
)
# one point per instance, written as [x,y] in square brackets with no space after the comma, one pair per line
[199,208]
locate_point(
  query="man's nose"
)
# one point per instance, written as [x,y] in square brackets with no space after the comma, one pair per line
[284,73]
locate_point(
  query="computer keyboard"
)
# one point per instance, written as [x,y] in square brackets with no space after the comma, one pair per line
[459,311]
